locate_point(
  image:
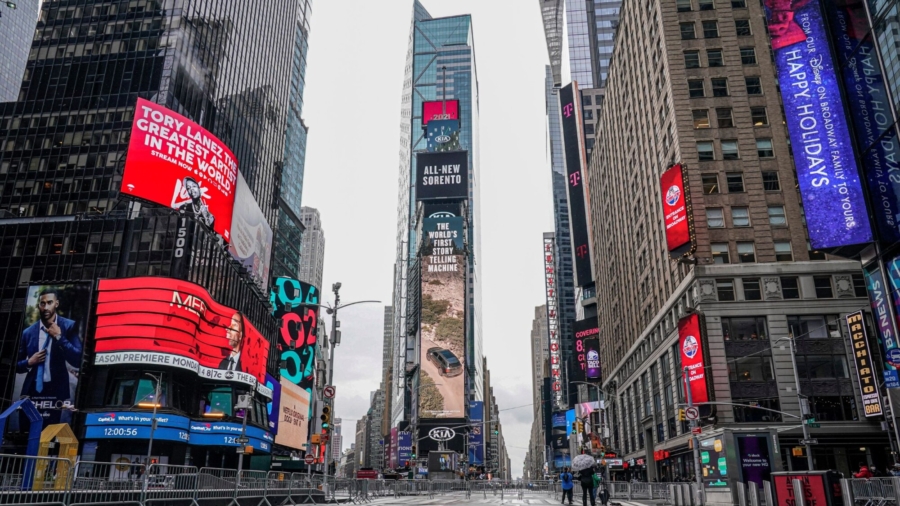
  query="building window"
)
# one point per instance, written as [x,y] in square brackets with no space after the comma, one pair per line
[814,327]
[752,289]
[735,182]
[725,289]
[754,86]
[715,217]
[710,183]
[859,286]
[724,118]
[706,5]
[714,57]
[746,254]
[692,59]
[816,367]
[748,56]
[695,88]
[744,328]
[776,216]
[740,217]
[730,150]
[710,29]
[701,118]
[683,5]
[790,288]
[738,4]
[742,26]
[770,181]
[764,148]
[814,254]
[705,151]
[751,414]
[783,251]
[687,31]
[833,407]
[719,87]
[758,116]
[743,369]
[719,252]
[823,287]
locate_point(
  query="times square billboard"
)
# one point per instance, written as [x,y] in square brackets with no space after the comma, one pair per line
[573,144]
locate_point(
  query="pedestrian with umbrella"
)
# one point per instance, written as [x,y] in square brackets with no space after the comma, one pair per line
[584,466]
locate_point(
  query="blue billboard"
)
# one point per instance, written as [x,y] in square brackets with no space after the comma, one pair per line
[570,419]
[476,435]
[134,425]
[559,419]
[826,166]
[404,447]
[227,434]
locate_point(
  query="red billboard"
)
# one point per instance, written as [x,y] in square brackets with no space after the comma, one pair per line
[676,210]
[175,162]
[174,323]
[690,342]
[438,110]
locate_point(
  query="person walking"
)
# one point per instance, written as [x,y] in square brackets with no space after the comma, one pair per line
[586,476]
[567,484]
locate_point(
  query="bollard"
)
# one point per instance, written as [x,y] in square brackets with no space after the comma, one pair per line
[742,494]
[799,499]
[847,492]
[753,493]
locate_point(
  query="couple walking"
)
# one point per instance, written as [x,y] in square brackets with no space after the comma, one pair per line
[589,481]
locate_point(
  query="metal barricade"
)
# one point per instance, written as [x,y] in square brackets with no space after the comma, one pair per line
[106,482]
[619,490]
[30,480]
[213,483]
[167,483]
[873,492]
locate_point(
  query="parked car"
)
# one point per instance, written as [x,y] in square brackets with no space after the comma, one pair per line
[445,361]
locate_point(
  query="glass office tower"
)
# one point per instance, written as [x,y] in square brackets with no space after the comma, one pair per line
[16,31]
[440,64]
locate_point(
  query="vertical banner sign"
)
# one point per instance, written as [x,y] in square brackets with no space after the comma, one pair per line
[273,407]
[404,440]
[677,211]
[395,447]
[865,366]
[691,345]
[570,108]
[876,138]
[584,329]
[295,303]
[251,236]
[476,435]
[552,320]
[884,322]
[814,110]
[592,348]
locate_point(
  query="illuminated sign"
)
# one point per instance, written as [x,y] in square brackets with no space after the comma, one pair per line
[592,348]
[865,366]
[296,304]
[552,319]
[442,135]
[228,434]
[884,321]
[136,425]
[584,329]
[573,142]
[690,345]
[442,175]
[676,202]
[174,323]
[293,416]
[439,110]
[251,236]
[833,199]
[175,162]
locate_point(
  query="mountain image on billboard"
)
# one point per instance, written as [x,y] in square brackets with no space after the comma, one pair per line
[251,235]
[443,334]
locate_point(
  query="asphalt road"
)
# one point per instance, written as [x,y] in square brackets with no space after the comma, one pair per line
[453,389]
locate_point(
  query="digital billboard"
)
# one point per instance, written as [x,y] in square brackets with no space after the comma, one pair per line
[442,462]
[293,417]
[251,236]
[442,175]
[714,462]
[442,135]
[434,433]
[885,324]
[876,137]
[584,330]
[443,320]
[50,348]
[439,110]
[676,204]
[136,425]
[174,323]
[573,143]
[753,452]
[833,199]
[295,303]
[229,434]
[395,444]
[404,447]
[273,407]
[552,319]
[476,435]
[690,342]
[176,163]
[865,365]
[592,371]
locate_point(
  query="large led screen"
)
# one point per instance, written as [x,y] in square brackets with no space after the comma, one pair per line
[570,108]
[442,175]
[439,110]
[829,180]
[443,320]
[676,210]
[879,298]
[584,330]
[293,416]
[442,135]
[550,290]
[690,342]
[50,348]
[251,236]
[174,323]
[175,162]
[295,303]
[476,434]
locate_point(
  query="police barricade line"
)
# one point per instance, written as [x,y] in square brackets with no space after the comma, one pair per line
[163,482]
[251,484]
[874,491]
[31,480]
[106,482]
[215,483]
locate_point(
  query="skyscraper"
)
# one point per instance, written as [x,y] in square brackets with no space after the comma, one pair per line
[440,65]
[337,440]
[17,20]
[312,260]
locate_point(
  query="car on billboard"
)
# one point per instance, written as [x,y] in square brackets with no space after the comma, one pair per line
[446,362]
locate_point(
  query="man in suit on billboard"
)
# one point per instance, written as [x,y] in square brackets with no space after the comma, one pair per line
[235,335]
[47,346]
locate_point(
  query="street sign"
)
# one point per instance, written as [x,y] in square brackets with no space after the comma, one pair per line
[814,425]
[692,413]
[310,460]
[809,441]
[696,431]
[328,392]
[241,440]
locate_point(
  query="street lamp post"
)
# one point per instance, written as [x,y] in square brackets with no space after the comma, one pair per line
[158,379]
[804,406]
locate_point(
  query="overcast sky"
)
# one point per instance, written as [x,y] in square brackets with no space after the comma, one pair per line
[352,107]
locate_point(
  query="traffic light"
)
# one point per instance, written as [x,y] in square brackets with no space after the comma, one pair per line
[413,451]
[326,418]
[575,427]
[580,426]
[681,416]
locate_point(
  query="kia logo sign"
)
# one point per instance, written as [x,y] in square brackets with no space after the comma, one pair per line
[442,434]
[442,139]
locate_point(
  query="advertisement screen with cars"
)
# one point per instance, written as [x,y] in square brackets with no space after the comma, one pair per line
[251,236]
[176,163]
[443,320]
[174,323]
